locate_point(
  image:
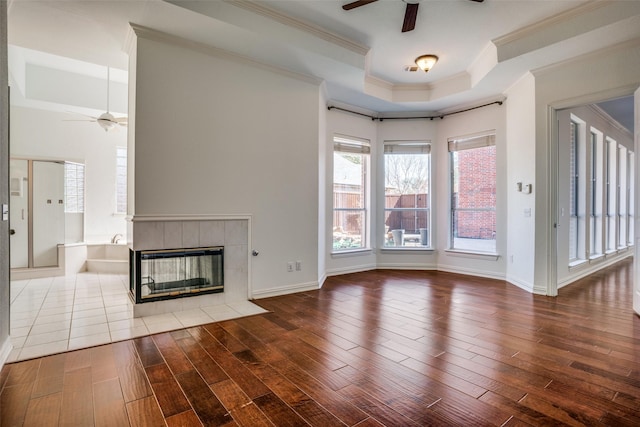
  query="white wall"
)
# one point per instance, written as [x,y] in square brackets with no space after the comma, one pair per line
[5,342]
[40,134]
[581,81]
[219,136]
[520,131]
[472,122]
[322,179]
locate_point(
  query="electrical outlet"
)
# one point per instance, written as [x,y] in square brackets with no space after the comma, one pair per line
[298,265]
[290,266]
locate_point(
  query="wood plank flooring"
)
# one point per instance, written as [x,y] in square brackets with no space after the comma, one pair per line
[394,348]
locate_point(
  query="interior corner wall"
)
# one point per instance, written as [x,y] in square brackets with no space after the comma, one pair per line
[521,212]
[577,82]
[220,136]
[5,343]
[472,122]
[346,124]
[322,178]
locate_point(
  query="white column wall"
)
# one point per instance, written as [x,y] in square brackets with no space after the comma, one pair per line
[5,342]
[521,211]
[218,136]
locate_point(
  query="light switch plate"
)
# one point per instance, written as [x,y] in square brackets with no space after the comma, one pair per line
[5,212]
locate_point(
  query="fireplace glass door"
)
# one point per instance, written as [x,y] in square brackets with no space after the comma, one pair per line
[164,274]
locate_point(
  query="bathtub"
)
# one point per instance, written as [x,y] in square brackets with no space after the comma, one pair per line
[108,258]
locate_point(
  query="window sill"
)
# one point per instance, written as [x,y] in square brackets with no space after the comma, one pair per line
[352,252]
[596,257]
[407,250]
[577,263]
[474,255]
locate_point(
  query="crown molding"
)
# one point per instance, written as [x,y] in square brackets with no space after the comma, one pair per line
[159,36]
[577,21]
[314,30]
[600,53]
[545,24]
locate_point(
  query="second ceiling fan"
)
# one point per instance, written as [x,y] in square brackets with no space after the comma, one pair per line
[410,14]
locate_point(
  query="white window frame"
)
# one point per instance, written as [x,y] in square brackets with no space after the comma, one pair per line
[361,147]
[596,247]
[578,204]
[456,144]
[421,236]
[74,175]
[121,175]
[611,154]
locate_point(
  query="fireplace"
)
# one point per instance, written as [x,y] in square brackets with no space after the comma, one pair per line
[176,273]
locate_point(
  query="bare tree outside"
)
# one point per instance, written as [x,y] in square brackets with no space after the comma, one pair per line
[406,174]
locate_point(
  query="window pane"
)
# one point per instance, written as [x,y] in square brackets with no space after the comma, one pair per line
[121,180]
[407,198]
[349,194]
[473,222]
[73,188]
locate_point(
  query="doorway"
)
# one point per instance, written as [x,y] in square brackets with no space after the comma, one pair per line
[595,187]
[41,215]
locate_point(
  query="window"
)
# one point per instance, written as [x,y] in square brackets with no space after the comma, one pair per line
[406,194]
[350,193]
[578,190]
[610,194]
[121,180]
[622,197]
[595,226]
[73,187]
[473,193]
[630,196]
[574,191]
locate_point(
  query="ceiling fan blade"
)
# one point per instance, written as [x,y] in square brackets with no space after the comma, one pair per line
[358,3]
[410,15]
[81,114]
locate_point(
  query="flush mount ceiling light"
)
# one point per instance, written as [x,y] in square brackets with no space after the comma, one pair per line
[426,62]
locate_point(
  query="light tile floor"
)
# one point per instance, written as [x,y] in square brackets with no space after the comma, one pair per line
[55,314]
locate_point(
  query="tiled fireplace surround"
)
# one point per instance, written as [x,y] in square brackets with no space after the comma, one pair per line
[157,233]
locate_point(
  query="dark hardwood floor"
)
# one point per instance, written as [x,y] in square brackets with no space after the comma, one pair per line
[394,348]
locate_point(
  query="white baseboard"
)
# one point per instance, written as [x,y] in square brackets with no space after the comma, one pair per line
[523,284]
[351,269]
[285,290]
[608,261]
[322,280]
[471,272]
[407,266]
[5,350]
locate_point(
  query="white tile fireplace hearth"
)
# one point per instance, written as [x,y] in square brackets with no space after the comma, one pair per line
[179,232]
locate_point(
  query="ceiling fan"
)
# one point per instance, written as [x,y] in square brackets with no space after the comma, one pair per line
[106,120]
[410,13]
